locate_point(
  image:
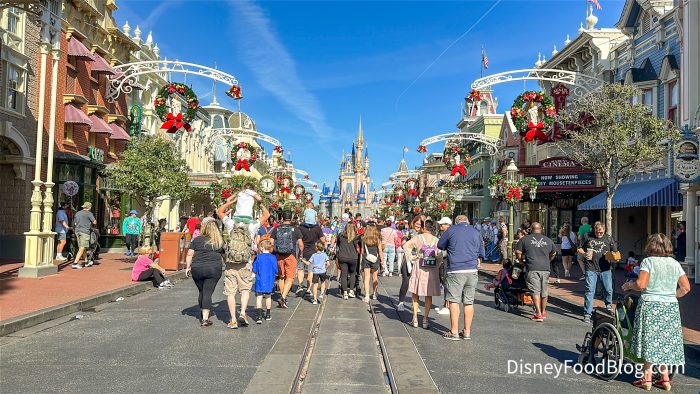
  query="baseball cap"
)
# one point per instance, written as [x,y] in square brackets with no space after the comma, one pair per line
[346,217]
[133,212]
[87,204]
[445,220]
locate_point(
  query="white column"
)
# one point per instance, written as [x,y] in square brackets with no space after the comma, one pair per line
[691,204]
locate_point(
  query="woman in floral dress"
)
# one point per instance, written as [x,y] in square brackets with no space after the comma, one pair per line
[425,278]
[658,336]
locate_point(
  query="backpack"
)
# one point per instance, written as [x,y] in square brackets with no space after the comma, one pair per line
[265,236]
[238,248]
[284,244]
[428,255]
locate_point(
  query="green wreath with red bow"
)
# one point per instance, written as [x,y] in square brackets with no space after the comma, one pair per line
[243,162]
[284,189]
[449,156]
[527,129]
[174,122]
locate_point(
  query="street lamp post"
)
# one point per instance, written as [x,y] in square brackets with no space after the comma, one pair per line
[511,174]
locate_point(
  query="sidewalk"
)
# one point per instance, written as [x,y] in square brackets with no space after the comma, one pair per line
[571,290]
[25,296]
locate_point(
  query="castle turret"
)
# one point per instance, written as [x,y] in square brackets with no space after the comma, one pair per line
[361,200]
[323,200]
[335,201]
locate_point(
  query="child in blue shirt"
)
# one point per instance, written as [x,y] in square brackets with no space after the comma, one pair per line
[319,263]
[264,270]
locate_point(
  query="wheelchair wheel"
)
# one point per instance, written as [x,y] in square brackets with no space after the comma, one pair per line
[496,298]
[606,350]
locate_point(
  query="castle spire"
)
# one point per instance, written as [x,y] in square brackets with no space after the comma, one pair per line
[360,134]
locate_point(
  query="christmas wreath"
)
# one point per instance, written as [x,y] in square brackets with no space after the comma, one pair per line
[299,190]
[285,183]
[174,122]
[411,186]
[279,149]
[244,155]
[524,124]
[455,158]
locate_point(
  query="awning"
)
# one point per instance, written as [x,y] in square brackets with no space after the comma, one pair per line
[654,193]
[99,125]
[73,115]
[118,133]
[78,49]
[100,65]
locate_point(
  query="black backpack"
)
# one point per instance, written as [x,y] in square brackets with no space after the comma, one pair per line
[284,242]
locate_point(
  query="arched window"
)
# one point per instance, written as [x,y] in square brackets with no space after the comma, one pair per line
[218,122]
[483,108]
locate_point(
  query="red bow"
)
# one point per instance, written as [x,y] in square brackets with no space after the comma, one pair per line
[442,206]
[535,131]
[174,123]
[458,168]
[399,198]
[242,163]
[413,192]
[285,189]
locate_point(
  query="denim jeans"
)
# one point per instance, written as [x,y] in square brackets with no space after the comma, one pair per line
[389,254]
[591,281]
[399,258]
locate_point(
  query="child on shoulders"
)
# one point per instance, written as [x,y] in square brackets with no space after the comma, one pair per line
[264,271]
[244,204]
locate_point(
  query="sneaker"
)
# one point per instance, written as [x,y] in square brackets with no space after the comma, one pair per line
[366,299]
[76,266]
[268,316]
[244,320]
[587,319]
[283,303]
[345,295]
[315,302]
[60,257]
[444,311]
[544,315]
[351,293]
[609,307]
[320,297]
[465,337]
[259,319]
[374,296]
[205,323]
[450,336]
[401,307]
[162,286]
[232,325]
[390,274]
[299,290]
[567,274]
[537,318]
[89,263]
[583,277]
[168,283]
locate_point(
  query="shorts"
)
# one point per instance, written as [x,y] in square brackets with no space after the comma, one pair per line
[368,265]
[61,236]
[237,278]
[263,295]
[319,278]
[503,248]
[567,252]
[83,240]
[302,266]
[287,266]
[461,287]
[537,282]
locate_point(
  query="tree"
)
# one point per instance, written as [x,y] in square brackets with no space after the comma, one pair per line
[610,134]
[151,168]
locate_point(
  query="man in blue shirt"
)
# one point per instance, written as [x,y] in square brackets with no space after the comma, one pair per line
[465,250]
[61,230]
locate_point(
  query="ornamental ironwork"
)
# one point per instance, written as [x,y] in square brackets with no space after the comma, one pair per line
[580,83]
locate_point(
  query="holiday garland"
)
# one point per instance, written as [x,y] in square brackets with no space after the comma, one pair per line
[450,155]
[173,122]
[285,188]
[526,128]
[244,161]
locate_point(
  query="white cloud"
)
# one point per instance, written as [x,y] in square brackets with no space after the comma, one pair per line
[275,70]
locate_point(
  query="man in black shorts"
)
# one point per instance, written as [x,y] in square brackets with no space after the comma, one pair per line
[538,250]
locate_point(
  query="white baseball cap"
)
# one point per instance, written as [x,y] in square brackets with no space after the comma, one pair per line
[346,216]
[445,220]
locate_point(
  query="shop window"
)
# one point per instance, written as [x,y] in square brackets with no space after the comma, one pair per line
[648,98]
[14,21]
[91,139]
[68,132]
[112,146]
[13,87]
[672,100]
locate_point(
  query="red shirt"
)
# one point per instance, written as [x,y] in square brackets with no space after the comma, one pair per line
[192,224]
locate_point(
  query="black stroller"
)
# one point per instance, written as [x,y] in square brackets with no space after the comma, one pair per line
[93,250]
[512,293]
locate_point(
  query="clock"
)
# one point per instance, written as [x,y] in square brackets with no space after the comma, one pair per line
[267,184]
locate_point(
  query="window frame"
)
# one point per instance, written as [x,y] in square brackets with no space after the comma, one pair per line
[68,132]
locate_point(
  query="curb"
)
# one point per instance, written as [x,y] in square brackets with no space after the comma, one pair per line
[41,316]
[692,351]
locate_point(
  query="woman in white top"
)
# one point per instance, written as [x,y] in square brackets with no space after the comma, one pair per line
[657,335]
[568,248]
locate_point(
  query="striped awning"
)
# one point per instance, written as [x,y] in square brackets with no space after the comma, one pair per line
[72,114]
[99,125]
[118,133]
[101,66]
[78,49]
[653,193]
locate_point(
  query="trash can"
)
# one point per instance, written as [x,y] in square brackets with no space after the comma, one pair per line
[171,252]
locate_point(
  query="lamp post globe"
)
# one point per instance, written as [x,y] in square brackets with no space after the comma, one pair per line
[511,171]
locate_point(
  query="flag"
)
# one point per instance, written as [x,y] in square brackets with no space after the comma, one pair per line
[597,4]
[484,58]
[405,149]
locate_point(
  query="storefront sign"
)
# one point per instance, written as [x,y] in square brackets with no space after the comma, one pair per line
[686,165]
[565,180]
[96,154]
[558,162]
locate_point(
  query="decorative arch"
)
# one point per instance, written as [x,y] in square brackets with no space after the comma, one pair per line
[580,83]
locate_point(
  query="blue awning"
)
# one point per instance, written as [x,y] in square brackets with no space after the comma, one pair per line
[655,193]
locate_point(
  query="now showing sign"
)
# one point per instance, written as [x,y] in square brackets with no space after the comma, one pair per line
[566,180]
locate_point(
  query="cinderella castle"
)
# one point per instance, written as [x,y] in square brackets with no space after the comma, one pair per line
[354,191]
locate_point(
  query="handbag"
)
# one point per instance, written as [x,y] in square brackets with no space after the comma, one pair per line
[369,256]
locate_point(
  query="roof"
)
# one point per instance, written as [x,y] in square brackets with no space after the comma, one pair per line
[403,167]
[643,74]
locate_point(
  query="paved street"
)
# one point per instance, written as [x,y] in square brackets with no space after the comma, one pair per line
[153,343]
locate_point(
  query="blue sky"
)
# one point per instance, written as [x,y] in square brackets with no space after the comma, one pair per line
[309,70]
